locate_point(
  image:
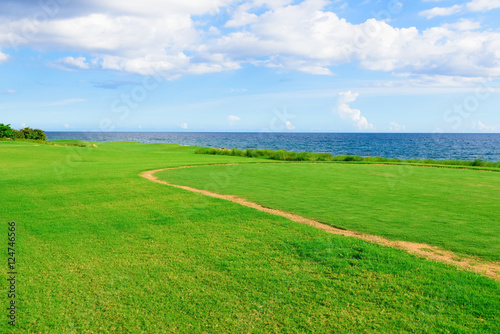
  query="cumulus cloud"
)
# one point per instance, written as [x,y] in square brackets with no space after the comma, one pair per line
[483,127]
[157,8]
[3,57]
[240,17]
[463,25]
[71,63]
[184,126]
[472,6]
[346,112]
[232,119]
[306,38]
[289,125]
[441,11]
[161,37]
[393,126]
[482,5]
[127,36]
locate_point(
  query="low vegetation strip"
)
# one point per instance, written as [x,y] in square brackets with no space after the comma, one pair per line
[308,156]
[490,269]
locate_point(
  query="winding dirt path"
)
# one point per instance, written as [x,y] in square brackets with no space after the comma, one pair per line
[489,269]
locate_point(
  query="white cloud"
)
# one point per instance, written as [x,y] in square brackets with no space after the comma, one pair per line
[441,11]
[65,102]
[160,36]
[71,63]
[143,42]
[3,57]
[346,112]
[66,126]
[184,126]
[463,25]
[289,125]
[483,5]
[305,38]
[318,70]
[393,126]
[213,30]
[9,91]
[232,119]
[425,80]
[241,17]
[483,127]
[158,8]
[472,6]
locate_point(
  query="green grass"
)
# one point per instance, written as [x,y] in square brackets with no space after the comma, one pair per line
[65,142]
[453,209]
[23,140]
[309,156]
[79,143]
[103,250]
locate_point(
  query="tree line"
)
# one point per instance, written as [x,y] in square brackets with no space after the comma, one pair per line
[26,133]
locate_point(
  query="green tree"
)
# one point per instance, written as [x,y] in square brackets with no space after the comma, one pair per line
[16,134]
[5,131]
[28,133]
[39,134]
[25,133]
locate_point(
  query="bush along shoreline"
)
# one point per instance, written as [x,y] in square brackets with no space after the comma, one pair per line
[327,157]
[27,133]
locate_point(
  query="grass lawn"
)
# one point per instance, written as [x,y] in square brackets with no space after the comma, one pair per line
[101,250]
[454,209]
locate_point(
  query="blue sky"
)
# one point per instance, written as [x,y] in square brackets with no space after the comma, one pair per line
[262,65]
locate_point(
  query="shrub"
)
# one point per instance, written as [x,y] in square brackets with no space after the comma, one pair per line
[16,134]
[477,162]
[304,156]
[28,133]
[5,131]
[39,134]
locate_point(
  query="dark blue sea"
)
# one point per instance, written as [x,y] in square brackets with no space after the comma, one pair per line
[402,146]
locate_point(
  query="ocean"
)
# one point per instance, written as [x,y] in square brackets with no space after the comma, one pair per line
[388,145]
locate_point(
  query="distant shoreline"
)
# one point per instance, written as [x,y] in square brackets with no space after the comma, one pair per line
[395,145]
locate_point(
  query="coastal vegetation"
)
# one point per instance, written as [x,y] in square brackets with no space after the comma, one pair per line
[25,133]
[308,156]
[101,249]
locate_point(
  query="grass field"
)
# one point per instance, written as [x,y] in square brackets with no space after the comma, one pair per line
[456,210]
[101,250]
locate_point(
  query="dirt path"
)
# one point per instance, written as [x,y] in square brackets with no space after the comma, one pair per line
[489,269]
